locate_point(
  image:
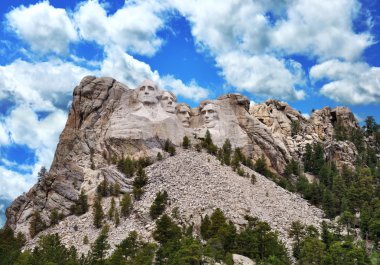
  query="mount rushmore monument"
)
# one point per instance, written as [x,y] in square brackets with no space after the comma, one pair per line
[109,121]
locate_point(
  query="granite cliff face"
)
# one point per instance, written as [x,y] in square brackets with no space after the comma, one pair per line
[109,121]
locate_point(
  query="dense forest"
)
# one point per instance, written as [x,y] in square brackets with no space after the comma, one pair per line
[349,196]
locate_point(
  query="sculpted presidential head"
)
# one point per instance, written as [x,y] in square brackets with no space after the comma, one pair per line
[148,93]
[209,113]
[183,113]
[168,101]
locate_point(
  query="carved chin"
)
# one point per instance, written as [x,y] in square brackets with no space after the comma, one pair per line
[210,124]
[185,123]
[170,109]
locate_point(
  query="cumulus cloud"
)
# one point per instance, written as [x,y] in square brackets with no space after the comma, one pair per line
[44,27]
[4,139]
[13,184]
[191,91]
[322,29]
[43,85]
[40,135]
[263,75]
[133,27]
[131,71]
[349,83]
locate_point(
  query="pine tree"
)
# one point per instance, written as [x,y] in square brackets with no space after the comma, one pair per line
[159,204]
[36,224]
[186,142]
[159,156]
[117,218]
[297,232]
[54,217]
[227,150]
[98,213]
[111,211]
[308,158]
[100,247]
[126,205]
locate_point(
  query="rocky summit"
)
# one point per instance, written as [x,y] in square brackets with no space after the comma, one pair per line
[109,122]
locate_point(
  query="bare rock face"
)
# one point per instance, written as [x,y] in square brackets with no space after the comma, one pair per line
[294,131]
[109,121]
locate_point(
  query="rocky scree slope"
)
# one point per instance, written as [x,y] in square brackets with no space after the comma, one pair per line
[109,121]
[197,184]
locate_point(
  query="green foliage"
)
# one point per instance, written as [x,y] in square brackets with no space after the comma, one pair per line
[169,147]
[98,214]
[126,205]
[99,248]
[166,230]
[81,206]
[208,144]
[112,209]
[159,204]
[36,224]
[50,250]
[139,182]
[159,156]
[186,142]
[295,127]
[10,246]
[292,168]
[54,217]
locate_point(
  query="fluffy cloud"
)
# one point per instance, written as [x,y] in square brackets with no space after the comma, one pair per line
[133,27]
[4,139]
[125,68]
[263,75]
[349,83]
[43,85]
[322,29]
[13,184]
[44,27]
[248,38]
[40,135]
[191,91]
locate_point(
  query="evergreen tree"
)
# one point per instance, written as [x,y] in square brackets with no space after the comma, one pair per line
[205,227]
[98,213]
[159,204]
[159,156]
[117,218]
[308,158]
[10,246]
[36,224]
[111,211]
[186,142]
[227,150]
[54,217]
[100,248]
[297,232]
[166,230]
[126,205]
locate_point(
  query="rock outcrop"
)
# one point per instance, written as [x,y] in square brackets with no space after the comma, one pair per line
[109,121]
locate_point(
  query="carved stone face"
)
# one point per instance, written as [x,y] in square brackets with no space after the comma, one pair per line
[183,114]
[148,93]
[210,115]
[168,102]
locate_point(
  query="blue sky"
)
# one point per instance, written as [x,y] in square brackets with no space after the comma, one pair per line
[310,53]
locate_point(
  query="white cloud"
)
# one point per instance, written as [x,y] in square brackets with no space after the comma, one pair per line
[13,184]
[349,83]
[124,68]
[42,85]
[191,91]
[4,139]
[133,27]
[263,75]
[40,135]
[43,26]
[128,70]
[322,29]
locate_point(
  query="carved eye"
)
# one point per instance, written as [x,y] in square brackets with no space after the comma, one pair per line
[165,98]
[203,112]
[142,88]
[211,111]
[151,88]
